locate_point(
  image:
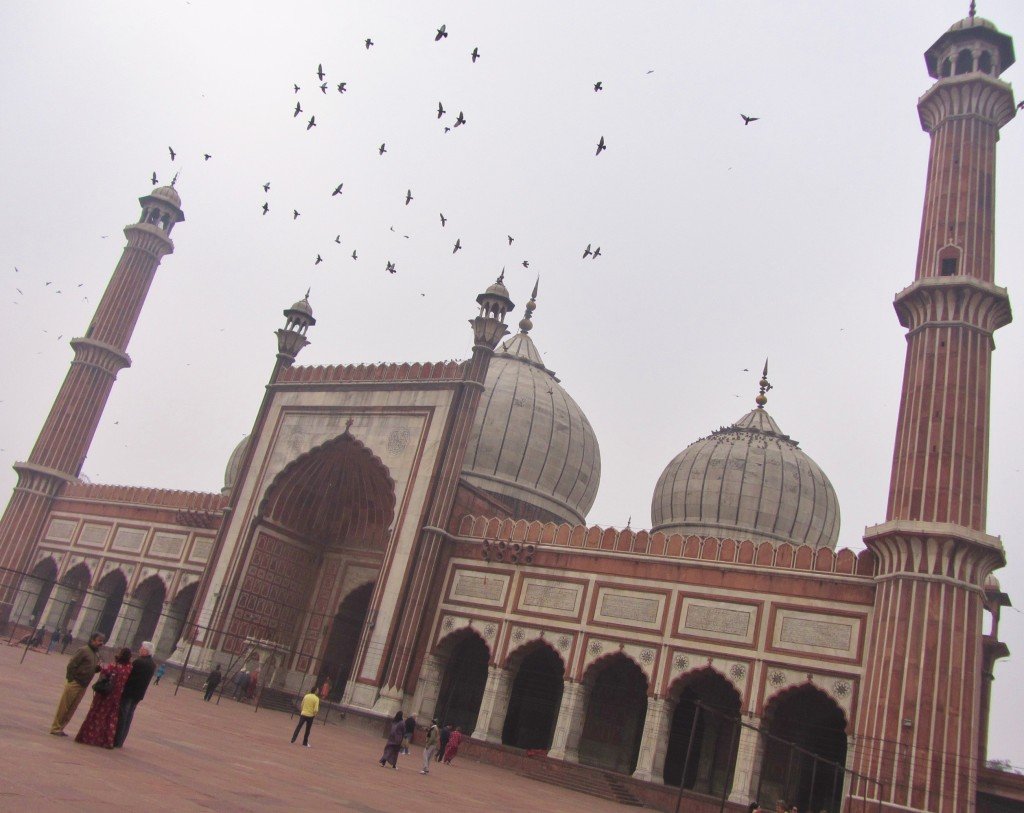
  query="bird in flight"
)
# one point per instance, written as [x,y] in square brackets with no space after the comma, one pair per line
[391,267]
[369,42]
[318,260]
[207,156]
[266,186]
[444,220]
[381,150]
[295,214]
[320,72]
[747,119]
[337,239]
[1020,105]
[297,88]
[526,263]
[460,120]
[408,196]
[342,87]
[312,123]
[587,252]
[323,88]
[266,207]
[597,253]
[475,54]
[172,152]
[355,256]
[441,34]
[153,179]
[447,129]
[440,110]
[337,190]
[600,146]
[458,245]
[510,239]
[598,86]
[298,109]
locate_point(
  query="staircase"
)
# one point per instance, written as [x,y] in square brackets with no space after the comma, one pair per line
[594,783]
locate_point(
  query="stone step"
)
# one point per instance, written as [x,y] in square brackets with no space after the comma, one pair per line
[601,785]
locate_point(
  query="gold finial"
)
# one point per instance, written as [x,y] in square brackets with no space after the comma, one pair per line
[526,323]
[762,397]
[972,10]
[501,276]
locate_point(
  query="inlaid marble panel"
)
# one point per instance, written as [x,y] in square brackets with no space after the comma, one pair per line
[717,619]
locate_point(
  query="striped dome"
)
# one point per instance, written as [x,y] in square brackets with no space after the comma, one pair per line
[531,444]
[747,481]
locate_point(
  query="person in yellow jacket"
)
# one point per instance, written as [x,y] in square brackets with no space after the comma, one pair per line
[310,707]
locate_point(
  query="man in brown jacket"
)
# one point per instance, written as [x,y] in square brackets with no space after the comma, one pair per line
[83,665]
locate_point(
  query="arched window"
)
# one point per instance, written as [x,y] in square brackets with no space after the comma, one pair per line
[964,62]
[949,261]
[947,67]
[985,62]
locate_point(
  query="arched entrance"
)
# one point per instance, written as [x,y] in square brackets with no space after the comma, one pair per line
[111,587]
[34,592]
[707,706]
[148,601]
[175,623]
[72,592]
[465,676]
[616,709]
[811,720]
[343,641]
[535,697]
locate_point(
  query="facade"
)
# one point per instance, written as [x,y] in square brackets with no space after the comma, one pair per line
[415,534]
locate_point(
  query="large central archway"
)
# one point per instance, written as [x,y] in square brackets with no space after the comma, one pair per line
[616,709]
[535,697]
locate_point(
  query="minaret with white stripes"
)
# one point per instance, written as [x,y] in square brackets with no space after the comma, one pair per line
[64,441]
[919,710]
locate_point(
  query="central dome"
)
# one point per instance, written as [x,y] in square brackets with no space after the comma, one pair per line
[531,445]
[747,481]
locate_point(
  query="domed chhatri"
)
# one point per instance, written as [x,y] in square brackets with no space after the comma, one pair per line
[168,193]
[531,445]
[748,481]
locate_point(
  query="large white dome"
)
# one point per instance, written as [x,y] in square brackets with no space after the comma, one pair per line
[747,481]
[531,444]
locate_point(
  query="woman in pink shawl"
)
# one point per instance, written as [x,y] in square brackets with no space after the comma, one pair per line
[453,745]
[100,723]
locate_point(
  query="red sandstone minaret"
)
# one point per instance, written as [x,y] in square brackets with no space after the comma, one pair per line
[63,443]
[920,705]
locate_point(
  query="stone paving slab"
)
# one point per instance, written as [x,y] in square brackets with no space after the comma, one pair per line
[184,755]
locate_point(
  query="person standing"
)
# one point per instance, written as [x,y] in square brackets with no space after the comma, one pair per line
[241,681]
[254,683]
[452,748]
[83,665]
[394,742]
[134,690]
[212,682]
[100,723]
[430,746]
[54,640]
[310,707]
[66,639]
[446,732]
[410,731]
[160,673]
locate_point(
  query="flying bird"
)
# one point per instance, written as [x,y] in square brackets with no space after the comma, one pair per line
[597,253]
[342,87]
[266,186]
[600,146]
[460,120]
[320,72]
[337,190]
[381,150]
[510,239]
[1020,105]
[298,109]
[587,252]
[355,256]
[312,123]
[444,220]
[337,239]
[440,110]
[526,263]
[391,267]
[323,88]
[475,54]
[458,245]
[441,34]
[295,214]
[297,88]
[408,196]
[172,152]
[207,156]
[369,42]
[266,207]
[447,129]
[598,86]
[153,179]
[318,260]
[748,119]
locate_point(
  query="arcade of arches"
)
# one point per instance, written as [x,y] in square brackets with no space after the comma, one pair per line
[324,522]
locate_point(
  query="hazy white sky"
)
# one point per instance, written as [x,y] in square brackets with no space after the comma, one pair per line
[721,244]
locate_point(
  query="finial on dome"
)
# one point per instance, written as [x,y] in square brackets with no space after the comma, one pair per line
[174,180]
[762,397]
[972,10]
[501,276]
[306,297]
[526,323]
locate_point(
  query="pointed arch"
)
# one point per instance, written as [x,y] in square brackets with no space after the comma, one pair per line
[615,713]
[538,675]
[342,643]
[112,587]
[465,657]
[149,595]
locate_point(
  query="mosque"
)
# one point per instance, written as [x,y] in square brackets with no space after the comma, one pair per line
[416,535]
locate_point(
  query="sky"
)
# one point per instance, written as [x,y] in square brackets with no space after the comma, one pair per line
[721,244]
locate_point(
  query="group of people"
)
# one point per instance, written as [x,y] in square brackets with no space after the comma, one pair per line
[441,745]
[58,637]
[120,687]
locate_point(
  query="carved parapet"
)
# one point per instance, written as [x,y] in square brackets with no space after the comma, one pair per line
[150,239]
[441,371]
[957,300]
[100,355]
[974,95]
[487,331]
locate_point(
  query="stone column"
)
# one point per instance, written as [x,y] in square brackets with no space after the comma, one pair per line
[128,618]
[650,762]
[92,606]
[569,727]
[428,687]
[25,601]
[490,720]
[58,608]
[747,773]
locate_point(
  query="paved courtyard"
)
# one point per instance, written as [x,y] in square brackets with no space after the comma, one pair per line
[184,754]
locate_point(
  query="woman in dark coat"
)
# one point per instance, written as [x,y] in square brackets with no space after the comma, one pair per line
[395,737]
[100,723]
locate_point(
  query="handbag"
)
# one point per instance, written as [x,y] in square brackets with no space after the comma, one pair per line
[103,686]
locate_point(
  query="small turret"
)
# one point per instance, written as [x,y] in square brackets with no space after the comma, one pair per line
[292,337]
[489,326]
